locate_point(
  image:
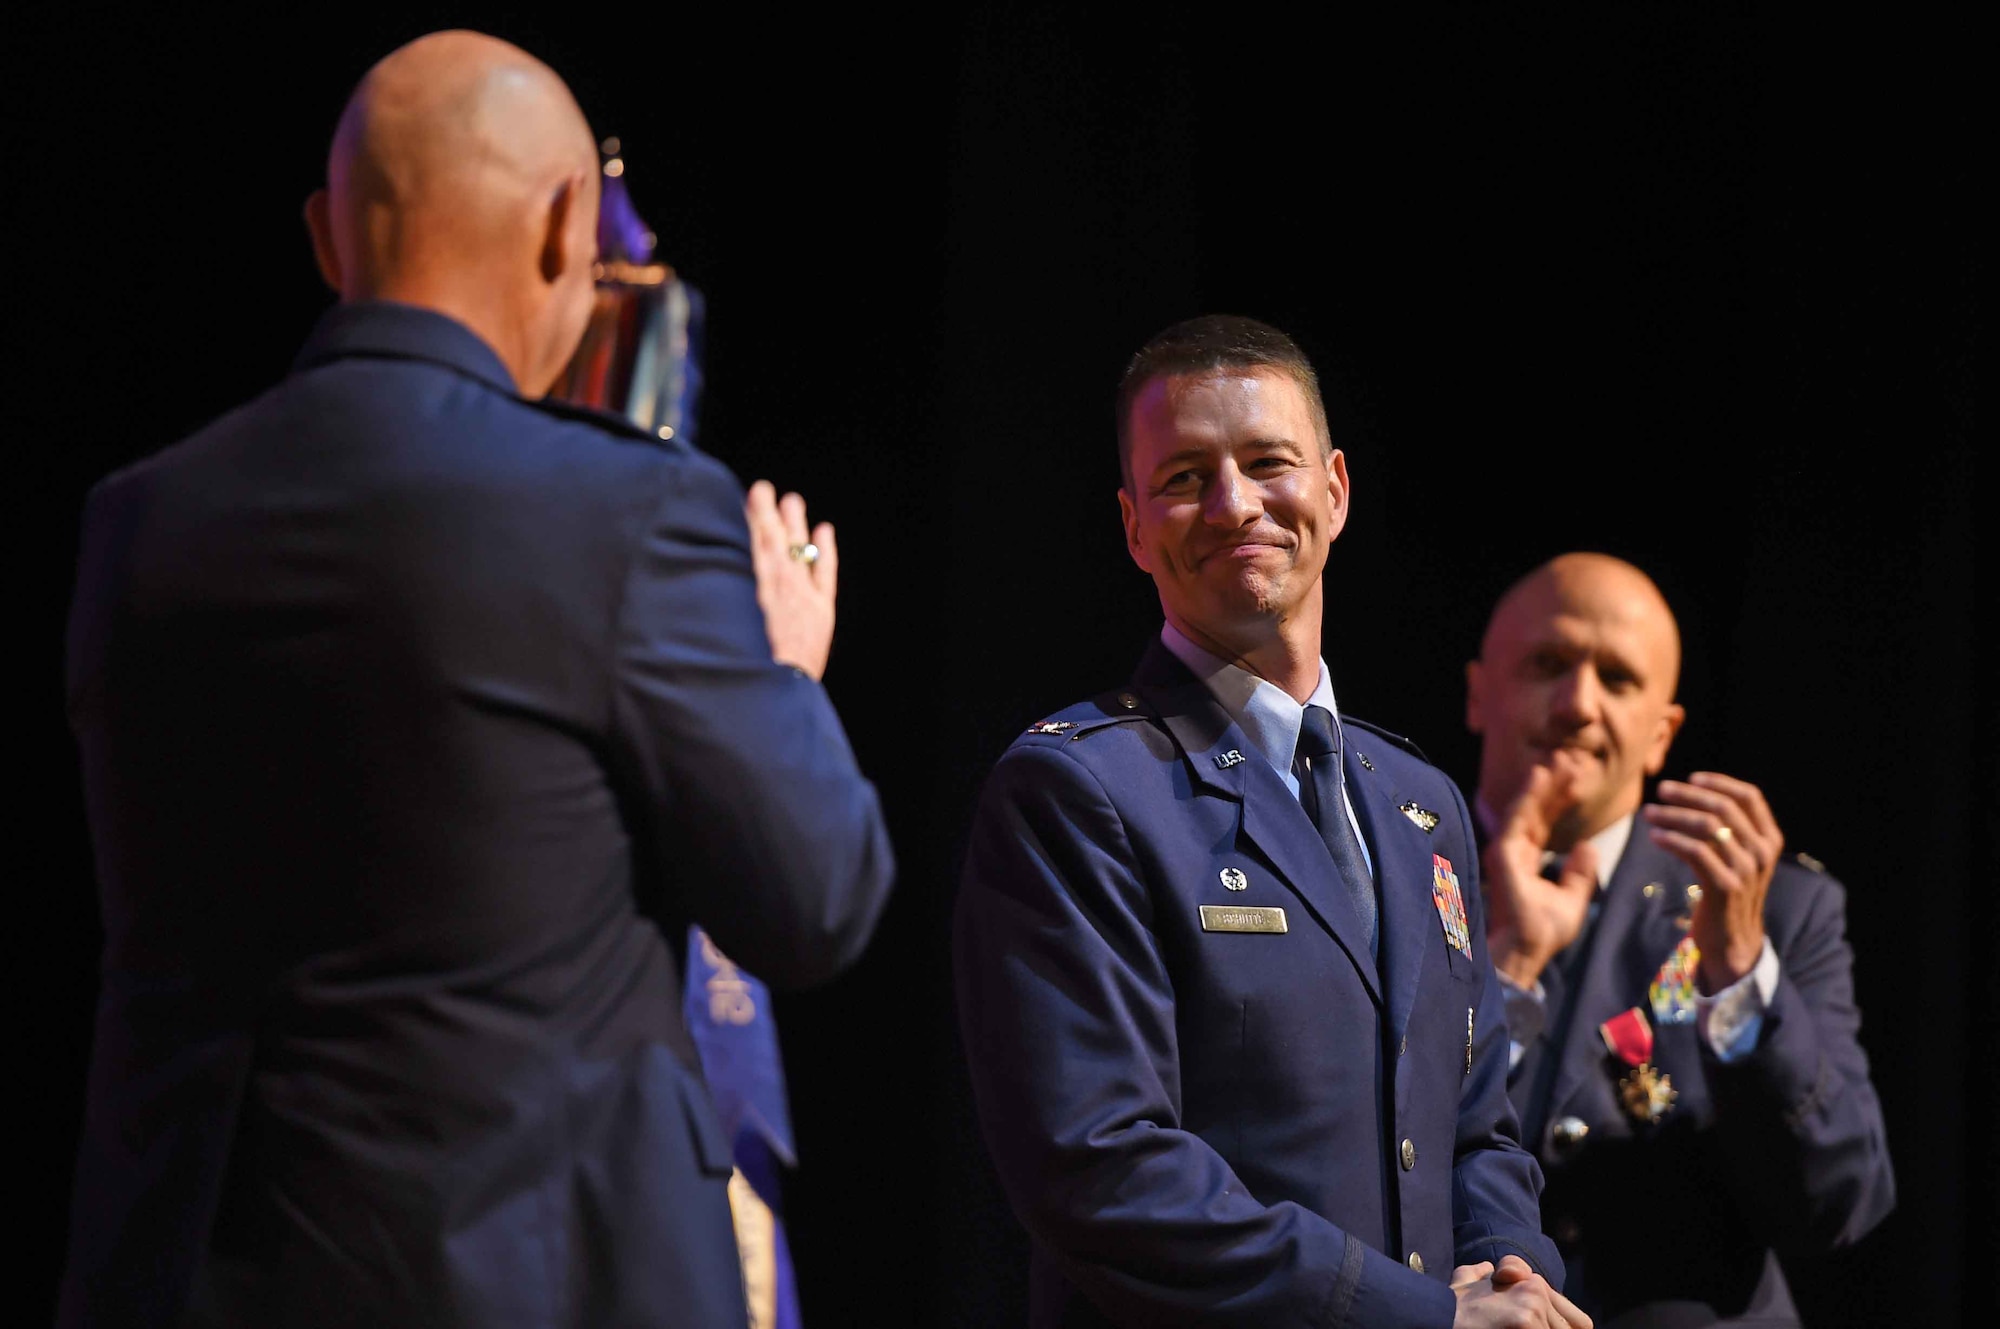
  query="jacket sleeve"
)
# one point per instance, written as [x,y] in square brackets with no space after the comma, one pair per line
[1496,1183]
[750,798]
[1798,1116]
[1066,1006]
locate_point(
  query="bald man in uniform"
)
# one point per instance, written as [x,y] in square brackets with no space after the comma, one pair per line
[1681,990]
[419,717]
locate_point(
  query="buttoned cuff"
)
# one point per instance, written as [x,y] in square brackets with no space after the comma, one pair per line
[1389,1294]
[1731,1020]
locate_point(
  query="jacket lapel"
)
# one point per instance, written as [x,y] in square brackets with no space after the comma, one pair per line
[1402,860]
[1272,821]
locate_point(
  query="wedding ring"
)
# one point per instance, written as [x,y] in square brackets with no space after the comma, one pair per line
[808,554]
[1723,835]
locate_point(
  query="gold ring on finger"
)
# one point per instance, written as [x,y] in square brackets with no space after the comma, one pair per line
[1723,835]
[808,554]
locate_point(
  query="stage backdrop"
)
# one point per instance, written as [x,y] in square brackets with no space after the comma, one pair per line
[1691,284]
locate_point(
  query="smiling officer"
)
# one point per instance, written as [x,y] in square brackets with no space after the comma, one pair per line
[1222,976]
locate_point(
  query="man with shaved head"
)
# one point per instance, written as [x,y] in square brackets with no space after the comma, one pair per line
[1681,994]
[417,715]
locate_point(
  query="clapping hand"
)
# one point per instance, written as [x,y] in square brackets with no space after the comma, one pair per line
[1530,917]
[1724,831]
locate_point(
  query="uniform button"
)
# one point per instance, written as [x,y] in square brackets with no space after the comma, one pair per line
[1416,1262]
[1568,1133]
[1127,700]
[1409,1155]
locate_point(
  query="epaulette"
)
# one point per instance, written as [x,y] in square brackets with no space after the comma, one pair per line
[1807,861]
[1401,742]
[605,420]
[1112,708]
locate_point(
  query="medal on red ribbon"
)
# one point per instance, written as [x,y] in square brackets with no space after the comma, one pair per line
[1645,1091]
[1450,904]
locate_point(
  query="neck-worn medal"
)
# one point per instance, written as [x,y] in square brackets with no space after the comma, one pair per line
[1645,1090]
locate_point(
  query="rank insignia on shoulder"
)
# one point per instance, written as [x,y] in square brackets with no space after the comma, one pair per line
[1364,760]
[1806,860]
[1229,758]
[1426,819]
[1052,727]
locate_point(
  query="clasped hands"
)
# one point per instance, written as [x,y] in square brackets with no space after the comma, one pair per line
[1720,827]
[1510,1295]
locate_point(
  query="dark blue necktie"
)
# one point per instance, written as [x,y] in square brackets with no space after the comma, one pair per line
[1316,763]
[1568,962]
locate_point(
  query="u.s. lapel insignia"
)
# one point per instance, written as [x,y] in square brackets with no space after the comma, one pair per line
[1363,758]
[1427,821]
[1228,759]
[1052,727]
[1450,904]
[1234,880]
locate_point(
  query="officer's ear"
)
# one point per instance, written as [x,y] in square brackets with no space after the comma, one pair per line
[1664,730]
[319,225]
[1338,492]
[1128,509]
[563,238]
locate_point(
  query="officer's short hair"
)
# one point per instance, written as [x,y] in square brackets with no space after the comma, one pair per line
[1207,345]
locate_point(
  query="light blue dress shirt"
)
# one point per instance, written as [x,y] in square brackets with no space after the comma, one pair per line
[1267,715]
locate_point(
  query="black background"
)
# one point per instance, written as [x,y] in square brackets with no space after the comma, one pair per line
[1692,284]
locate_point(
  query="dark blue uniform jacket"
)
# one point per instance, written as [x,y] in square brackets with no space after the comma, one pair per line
[1678,1222]
[1231,1128]
[411,713]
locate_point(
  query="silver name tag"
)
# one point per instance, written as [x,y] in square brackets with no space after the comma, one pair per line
[1242,918]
